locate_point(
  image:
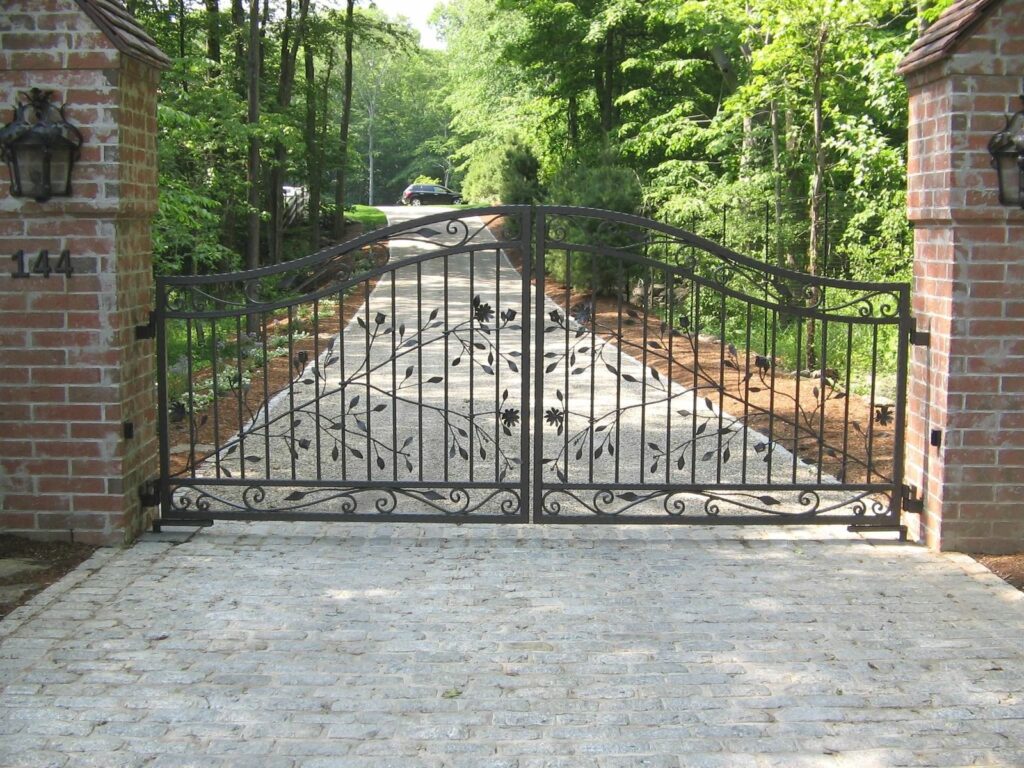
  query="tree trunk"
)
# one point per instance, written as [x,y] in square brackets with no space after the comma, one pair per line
[817,188]
[252,249]
[291,38]
[574,123]
[312,151]
[346,115]
[238,24]
[182,39]
[782,259]
[605,80]
[213,33]
[369,153]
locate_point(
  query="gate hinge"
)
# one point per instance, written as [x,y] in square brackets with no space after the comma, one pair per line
[920,338]
[149,495]
[147,331]
[912,503]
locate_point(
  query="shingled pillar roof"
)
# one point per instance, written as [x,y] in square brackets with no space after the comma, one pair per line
[124,31]
[941,38]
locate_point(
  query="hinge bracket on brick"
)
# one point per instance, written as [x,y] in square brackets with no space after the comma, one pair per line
[919,338]
[149,495]
[147,331]
[912,503]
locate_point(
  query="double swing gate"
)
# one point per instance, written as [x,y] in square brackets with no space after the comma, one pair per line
[544,364]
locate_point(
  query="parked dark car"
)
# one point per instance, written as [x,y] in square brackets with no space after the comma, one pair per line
[430,194]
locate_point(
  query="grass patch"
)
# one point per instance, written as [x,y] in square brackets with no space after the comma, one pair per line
[371,218]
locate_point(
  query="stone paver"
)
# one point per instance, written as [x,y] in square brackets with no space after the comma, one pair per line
[362,645]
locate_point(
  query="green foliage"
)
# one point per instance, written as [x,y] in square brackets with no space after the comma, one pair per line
[482,183]
[370,218]
[520,182]
[186,233]
[606,186]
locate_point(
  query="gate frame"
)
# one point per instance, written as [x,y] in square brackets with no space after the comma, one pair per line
[533,244]
[901,497]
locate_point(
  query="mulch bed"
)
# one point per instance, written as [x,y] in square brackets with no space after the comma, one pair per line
[1007,567]
[56,557]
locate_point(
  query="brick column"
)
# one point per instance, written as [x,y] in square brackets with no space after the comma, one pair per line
[967,387]
[77,428]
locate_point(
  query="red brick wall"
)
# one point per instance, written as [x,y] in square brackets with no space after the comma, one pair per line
[969,292]
[71,372]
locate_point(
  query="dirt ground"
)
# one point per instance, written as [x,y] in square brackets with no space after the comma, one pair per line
[1007,567]
[45,561]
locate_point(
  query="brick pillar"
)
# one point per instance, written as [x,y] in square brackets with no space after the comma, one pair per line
[72,375]
[967,387]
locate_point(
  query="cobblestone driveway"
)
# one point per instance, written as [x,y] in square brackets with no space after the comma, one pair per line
[358,645]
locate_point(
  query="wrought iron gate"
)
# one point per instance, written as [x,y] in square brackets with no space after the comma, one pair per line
[551,364]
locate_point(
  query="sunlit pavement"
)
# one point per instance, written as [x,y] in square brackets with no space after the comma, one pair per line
[386,645]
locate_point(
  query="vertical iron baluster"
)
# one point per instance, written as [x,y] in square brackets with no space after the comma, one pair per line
[872,407]
[163,414]
[644,373]
[593,358]
[316,385]
[497,362]
[566,303]
[394,379]
[419,366]
[472,358]
[618,362]
[216,397]
[191,400]
[525,247]
[367,371]
[447,413]
[903,328]
[721,389]
[670,278]
[796,407]
[745,372]
[771,392]
[265,326]
[846,403]
[342,384]
[695,346]
[822,394]
[291,389]
[537,353]
[241,396]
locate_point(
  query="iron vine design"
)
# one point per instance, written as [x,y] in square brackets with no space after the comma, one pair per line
[740,436]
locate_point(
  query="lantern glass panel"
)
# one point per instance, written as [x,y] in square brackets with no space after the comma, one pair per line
[1009,178]
[31,162]
[60,170]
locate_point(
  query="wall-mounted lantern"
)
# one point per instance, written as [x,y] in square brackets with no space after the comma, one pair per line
[40,148]
[1007,149]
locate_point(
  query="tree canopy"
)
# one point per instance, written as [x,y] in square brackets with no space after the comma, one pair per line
[777,126]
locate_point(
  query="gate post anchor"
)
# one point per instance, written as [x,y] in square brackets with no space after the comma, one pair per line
[901,529]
